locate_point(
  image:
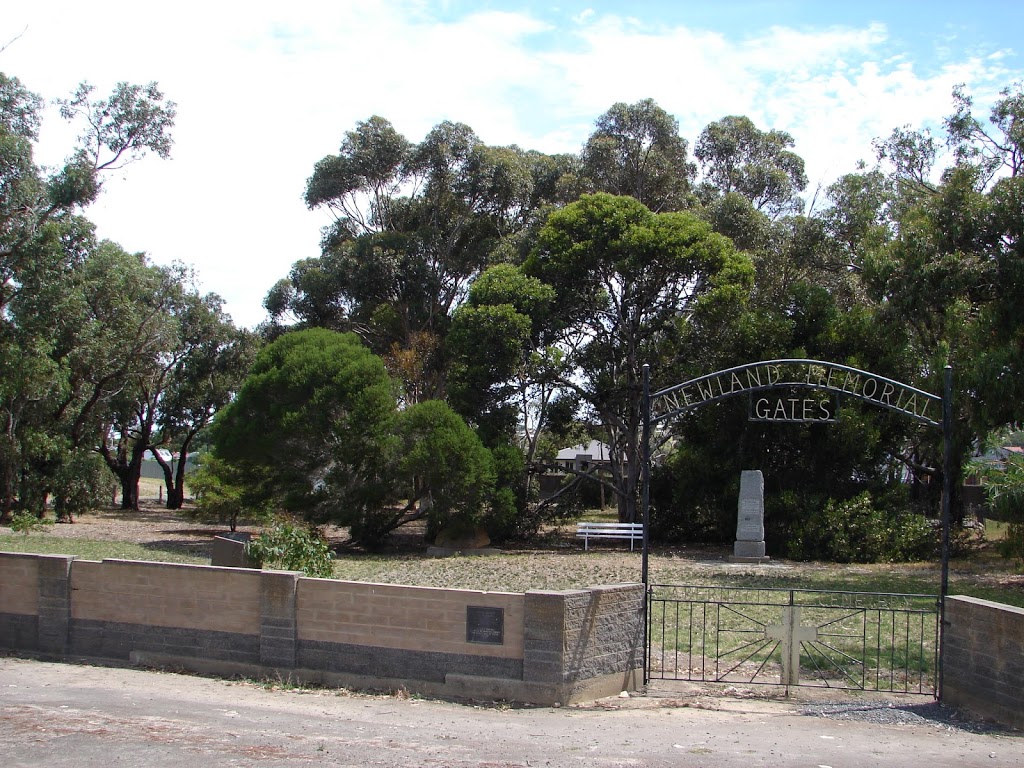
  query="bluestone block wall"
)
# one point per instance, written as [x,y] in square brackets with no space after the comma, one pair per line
[983,663]
[552,645]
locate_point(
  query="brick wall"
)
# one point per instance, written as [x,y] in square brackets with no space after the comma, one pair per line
[19,600]
[983,659]
[541,647]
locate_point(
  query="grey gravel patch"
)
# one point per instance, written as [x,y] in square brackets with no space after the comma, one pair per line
[930,714]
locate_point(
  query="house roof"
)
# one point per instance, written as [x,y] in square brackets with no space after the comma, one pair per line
[595,449]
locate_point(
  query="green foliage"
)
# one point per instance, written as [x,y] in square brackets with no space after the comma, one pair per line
[415,224]
[624,277]
[315,430]
[636,150]
[292,547]
[79,319]
[859,530]
[121,128]
[505,515]
[452,468]
[222,496]
[692,500]
[311,428]
[758,165]
[81,482]
[27,522]
[1003,482]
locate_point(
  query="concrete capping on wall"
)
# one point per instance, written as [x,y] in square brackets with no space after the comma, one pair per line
[546,647]
[983,659]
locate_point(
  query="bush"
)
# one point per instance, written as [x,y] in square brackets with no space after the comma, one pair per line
[678,515]
[293,547]
[222,496]
[1012,545]
[860,531]
[82,482]
[25,522]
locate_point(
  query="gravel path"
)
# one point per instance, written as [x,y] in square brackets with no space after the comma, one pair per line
[79,716]
[930,714]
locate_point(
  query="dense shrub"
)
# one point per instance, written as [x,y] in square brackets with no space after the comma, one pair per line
[861,531]
[82,482]
[222,496]
[505,516]
[292,547]
[679,515]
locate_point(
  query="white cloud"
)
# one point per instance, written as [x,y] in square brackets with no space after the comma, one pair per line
[266,89]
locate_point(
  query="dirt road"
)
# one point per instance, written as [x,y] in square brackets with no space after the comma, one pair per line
[58,715]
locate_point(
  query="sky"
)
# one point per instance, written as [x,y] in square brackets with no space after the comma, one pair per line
[266,89]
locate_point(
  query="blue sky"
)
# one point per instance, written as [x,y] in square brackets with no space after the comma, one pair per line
[265,89]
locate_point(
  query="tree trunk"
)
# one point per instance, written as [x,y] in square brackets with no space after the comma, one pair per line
[129,491]
[175,482]
[127,471]
[176,497]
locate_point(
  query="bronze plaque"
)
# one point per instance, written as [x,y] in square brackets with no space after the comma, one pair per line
[485,624]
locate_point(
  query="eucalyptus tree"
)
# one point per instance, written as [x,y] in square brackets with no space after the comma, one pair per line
[123,328]
[627,282]
[208,364]
[116,130]
[738,157]
[993,150]
[414,224]
[938,253]
[636,150]
[46,249]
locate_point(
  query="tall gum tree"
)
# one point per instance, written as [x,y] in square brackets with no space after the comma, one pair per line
[636,150]
[415,223]
[738,157]
[627,281]
[45,249]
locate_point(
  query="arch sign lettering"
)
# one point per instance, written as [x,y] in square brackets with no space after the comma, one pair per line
[790,376]
[799,391]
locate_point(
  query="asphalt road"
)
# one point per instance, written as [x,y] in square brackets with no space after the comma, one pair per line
[57,715]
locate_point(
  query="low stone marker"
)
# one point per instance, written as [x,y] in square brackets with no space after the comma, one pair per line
[749,546]
[229,551]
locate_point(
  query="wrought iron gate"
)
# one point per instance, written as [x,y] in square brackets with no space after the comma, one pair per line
[850,640]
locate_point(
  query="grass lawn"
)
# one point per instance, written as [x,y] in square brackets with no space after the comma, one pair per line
[556,562]
[87,549]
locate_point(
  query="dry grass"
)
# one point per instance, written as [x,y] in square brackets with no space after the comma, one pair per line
[556,562]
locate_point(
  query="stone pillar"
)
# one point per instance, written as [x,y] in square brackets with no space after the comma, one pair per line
[749,546]
[584,644]
[544,637]
[54,634]
[278,600]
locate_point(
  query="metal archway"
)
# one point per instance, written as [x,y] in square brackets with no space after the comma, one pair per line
[666,404]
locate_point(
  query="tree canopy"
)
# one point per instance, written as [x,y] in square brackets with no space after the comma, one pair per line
[473,305]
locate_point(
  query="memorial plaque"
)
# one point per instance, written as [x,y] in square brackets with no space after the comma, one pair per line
[485,624]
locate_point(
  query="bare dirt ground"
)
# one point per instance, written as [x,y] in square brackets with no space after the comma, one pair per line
[152,521]
[79,715]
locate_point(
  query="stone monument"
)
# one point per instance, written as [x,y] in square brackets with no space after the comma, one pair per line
[749,546]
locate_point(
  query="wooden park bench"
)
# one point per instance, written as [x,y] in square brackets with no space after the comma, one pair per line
[632,531]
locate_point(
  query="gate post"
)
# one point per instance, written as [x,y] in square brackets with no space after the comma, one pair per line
[645,507]
[947,500]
